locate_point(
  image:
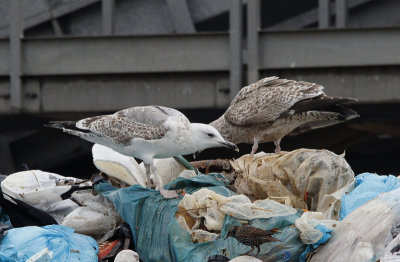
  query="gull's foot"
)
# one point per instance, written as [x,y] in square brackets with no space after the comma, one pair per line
[169,193]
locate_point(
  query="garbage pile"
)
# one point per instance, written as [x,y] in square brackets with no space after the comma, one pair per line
[304,205]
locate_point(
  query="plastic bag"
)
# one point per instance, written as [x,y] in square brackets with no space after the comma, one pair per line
[127,170]
[158,236]
[96,217]
[22,243]
[363,231]
[212,207]
[114,164]
[367,187]
[305,176]
[43,190]
[307,224]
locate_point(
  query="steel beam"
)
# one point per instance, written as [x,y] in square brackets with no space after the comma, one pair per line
[309,17]
[253,27]
[15,55]
[142,54]
[324,14]
[108,9]
[341,13]
[181,17]
[45,15]
[330,48]
[185,53]
[236,47]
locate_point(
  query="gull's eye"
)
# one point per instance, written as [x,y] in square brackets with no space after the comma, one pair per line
[210,135]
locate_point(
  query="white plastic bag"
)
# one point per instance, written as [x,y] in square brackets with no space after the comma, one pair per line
[213,207]
[42,190]
[363,231]
[306,225]
[96,218]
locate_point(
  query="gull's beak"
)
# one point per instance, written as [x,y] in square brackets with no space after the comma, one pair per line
[230,145]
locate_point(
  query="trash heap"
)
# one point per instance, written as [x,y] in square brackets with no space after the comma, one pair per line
[309,199]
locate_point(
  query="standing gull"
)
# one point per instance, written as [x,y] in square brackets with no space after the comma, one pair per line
[272,108]
[147,132]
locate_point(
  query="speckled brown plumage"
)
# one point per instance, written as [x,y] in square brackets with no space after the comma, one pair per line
[125,125]
[252,236]
[272,108]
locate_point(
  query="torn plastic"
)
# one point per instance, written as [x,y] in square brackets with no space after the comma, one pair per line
[245,259]
[127,170]
[43,190]
[307,224]
[114,164]
[127,256]
[96,217]
[366,228]
[307,177]
[367,187]
[44,255]
[145,209]
[22,243]
[212,207]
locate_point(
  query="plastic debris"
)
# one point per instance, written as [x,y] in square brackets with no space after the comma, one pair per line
[127,256]
[127,170]
[307,225]
[43,190]
[201,236]
[212,207]
[366,228]
[305,176]
[245,259]
[367,187]
[22,243]
[44,255]
[96,217]
[119,166]
[145,209]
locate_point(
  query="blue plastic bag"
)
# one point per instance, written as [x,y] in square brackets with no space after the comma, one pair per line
[367,187]
[310,248]
[158,236]
[21,243]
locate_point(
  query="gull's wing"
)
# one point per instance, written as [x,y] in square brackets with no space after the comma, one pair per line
[268,99]
[145,122]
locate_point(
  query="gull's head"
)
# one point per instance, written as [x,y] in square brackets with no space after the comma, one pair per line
[205,136]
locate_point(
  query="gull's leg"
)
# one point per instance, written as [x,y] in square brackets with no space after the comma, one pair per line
[255,147]
[148,182]
[258,250]
[164,192]
[277,145]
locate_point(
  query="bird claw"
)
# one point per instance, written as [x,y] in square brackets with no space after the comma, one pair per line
[169,193]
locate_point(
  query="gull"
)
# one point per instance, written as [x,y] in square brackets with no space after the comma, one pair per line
[271,108]
[147,132]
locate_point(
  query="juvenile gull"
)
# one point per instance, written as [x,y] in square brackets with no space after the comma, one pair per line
[147,132]
[272,108]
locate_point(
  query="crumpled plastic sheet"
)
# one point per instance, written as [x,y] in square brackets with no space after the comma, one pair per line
[361,235]
[367,187]
[308,177]
[43,190]
[158,236]
[314,231]
[213,207]
[96,217]
[307,224]
[22,243]
[126,169]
